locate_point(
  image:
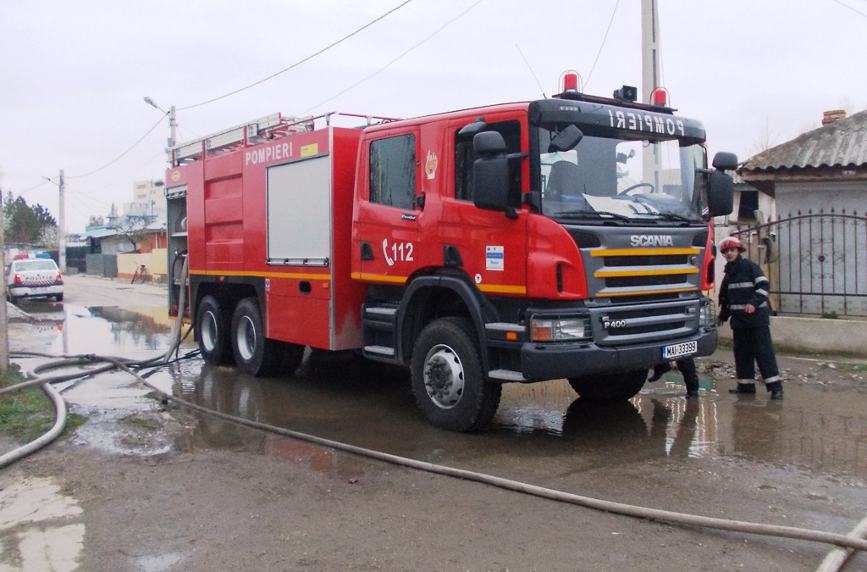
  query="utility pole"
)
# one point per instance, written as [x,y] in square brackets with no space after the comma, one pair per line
[173,126]
[649,81]
[173,131]
[61,225]
[4,335]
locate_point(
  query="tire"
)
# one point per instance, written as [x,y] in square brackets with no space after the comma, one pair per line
[449,386]
[254,354]
[59,297]
[212,332]
[610,388]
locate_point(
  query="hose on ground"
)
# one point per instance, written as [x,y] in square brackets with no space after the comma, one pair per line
[47,437]
[838,557]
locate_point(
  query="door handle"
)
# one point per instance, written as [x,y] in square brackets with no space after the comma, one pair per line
[366,251]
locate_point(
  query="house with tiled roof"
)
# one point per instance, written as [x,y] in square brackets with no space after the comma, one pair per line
[815,249]
[821,169]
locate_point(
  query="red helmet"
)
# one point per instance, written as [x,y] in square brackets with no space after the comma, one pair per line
[731,242]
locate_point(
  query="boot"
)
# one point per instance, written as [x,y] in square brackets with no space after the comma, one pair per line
[776,390]
[745,388]
[658,371]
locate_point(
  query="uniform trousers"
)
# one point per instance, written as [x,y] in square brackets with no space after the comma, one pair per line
[751,346]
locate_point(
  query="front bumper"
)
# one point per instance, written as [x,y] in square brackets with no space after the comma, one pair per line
[35,291]
[541,361]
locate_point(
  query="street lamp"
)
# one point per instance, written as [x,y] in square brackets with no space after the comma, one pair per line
[173,125]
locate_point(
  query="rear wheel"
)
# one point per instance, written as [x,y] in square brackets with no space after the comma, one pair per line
[609,388]
[254,353]
[447,379]
[212,332]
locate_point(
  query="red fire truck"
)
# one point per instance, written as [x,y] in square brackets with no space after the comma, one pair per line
[559,238]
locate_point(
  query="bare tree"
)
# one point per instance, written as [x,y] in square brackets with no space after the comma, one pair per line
[134,229]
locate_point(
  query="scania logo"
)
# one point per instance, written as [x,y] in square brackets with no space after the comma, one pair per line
[651,240]
[610,324]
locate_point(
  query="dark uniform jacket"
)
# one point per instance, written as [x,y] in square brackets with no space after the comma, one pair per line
[744,283]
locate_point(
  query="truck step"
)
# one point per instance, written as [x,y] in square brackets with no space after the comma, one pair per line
[505,375]
[383,311]
[379,350]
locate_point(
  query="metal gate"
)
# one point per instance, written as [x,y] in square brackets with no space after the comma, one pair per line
[816,261]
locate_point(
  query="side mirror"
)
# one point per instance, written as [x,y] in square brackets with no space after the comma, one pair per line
[491,172]
[720,193]
[566,139]
[724,161]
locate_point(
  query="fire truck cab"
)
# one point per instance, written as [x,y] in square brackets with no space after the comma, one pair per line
[559,238]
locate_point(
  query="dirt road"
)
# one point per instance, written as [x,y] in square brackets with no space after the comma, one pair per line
[141,488]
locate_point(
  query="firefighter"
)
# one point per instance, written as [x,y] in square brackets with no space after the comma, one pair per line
[743,298]
[686,366]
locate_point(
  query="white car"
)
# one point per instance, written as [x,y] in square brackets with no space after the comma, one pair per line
[33,277]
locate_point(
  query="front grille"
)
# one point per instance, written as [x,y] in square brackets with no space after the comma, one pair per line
[648,329]
[623,282]
[644,260]
[645,323]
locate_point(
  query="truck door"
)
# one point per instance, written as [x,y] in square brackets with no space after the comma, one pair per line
[492,247]
[387,217]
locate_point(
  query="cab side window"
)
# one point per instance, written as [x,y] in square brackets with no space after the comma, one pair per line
[392,171]
[464,157]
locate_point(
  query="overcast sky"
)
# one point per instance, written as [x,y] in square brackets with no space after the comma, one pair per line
[74,73]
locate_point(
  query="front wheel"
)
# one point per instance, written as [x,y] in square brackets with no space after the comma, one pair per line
[447,379]
[609,388]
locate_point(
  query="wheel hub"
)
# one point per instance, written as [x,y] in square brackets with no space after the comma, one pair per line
[443,376]
[246,338]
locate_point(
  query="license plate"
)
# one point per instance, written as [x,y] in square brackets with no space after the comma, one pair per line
[679,350]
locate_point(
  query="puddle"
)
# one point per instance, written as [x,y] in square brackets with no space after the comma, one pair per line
[38,528]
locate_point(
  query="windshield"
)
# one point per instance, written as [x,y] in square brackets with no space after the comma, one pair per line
[611,178]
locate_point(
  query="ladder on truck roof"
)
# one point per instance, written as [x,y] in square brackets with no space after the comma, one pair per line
[272,126]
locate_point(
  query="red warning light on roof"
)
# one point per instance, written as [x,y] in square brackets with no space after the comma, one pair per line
[571,81]
[659,96]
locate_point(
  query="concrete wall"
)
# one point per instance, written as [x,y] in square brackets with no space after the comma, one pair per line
[814,196]
[815,336]
[155,263]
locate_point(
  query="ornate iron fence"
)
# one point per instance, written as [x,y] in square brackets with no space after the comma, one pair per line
[816,261]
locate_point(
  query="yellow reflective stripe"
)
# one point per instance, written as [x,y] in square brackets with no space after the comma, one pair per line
[502,289]
[256,274]
[604,294]
[648,272]
[367,277]
[642,251]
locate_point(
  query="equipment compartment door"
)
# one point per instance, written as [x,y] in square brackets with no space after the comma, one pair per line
[299,212]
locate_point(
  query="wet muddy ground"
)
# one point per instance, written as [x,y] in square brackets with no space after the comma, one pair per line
[165,490]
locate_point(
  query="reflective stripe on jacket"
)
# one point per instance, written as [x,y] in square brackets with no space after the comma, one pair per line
[744,283]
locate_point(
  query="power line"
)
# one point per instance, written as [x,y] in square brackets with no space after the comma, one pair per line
[33,188]
[299,62]
[602,45]
[856,10]
[122,155]
[402,54]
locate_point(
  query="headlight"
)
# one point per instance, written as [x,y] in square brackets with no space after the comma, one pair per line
[559,329]
[707,314]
